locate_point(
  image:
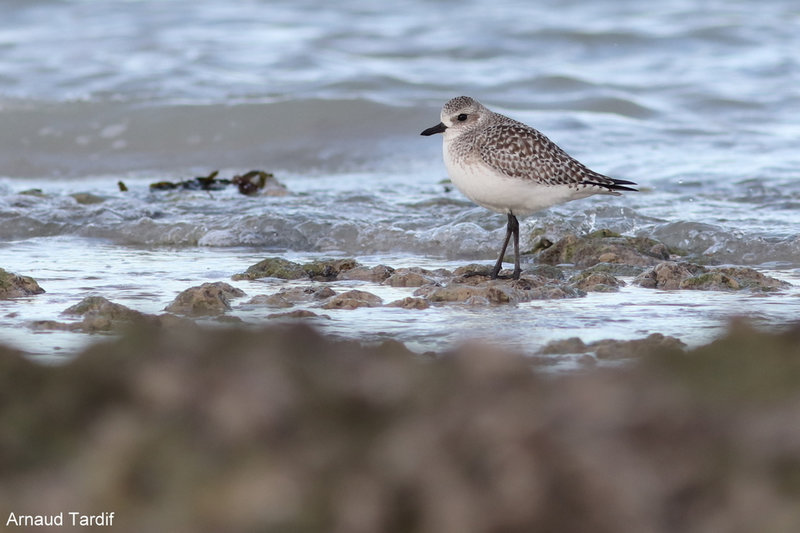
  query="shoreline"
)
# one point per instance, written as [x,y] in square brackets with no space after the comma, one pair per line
[432,309]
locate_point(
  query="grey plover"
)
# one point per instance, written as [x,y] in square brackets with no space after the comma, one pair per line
[508,167]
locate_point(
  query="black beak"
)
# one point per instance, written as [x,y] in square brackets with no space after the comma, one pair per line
[439,128]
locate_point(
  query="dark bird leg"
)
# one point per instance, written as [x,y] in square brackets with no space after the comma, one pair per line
[512,228]
[517,269]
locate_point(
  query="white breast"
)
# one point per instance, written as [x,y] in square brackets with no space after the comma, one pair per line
[502,194]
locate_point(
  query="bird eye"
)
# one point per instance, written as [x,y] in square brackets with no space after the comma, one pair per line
[462,117]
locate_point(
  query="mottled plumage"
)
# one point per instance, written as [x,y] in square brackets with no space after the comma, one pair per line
[511,168]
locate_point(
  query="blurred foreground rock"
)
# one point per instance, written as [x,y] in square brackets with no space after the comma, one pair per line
[193,430]
[14,286]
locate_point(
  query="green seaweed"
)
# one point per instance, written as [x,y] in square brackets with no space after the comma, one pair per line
[273,267]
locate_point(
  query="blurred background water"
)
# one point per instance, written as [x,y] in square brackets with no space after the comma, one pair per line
[695,101]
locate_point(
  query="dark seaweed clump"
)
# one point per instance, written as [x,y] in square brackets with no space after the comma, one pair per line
[248,183]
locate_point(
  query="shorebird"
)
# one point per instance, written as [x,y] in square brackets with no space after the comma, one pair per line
[511,168]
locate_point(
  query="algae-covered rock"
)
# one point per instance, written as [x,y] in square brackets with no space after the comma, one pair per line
[748,278]
[410,302]
[604,246]
[298,313]
[99,304]
[411,277]
[295,295]
[469,294]
[571,345]
[209,299]
[87,198]
[101,315]
[376,274]
[480,290]
[14,286]
[473,269]
[617,269]
[653,343]
[273,267]
[545,271]
[667,275]
[672,276]
[269,300]
[713,280]
[329,269]
[595,281]
[278,267]
[482,271]
[353,299]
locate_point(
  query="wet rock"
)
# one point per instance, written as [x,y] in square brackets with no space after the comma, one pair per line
[545,271]
[269,300]
[742,277]
[14,286]
[653,343]
[298,313]
[611,349]
[478,272]
[376,274]
[572,345]
[277,267]
[53,325]
[295,295]
[410,302]
[353,299]
[713,280]
[539,243]
[595,281]
[673,276]
[616,269]
[101,315]
[667,275]
[209,299]
[473,269]
[604,246]
[329,269]
[273,267]
[411,277]
[87,198]
[305,294]
[99,304]
[478,290]
[469,294]
[38,193]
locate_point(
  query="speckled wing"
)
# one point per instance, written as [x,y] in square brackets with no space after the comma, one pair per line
[521,152]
